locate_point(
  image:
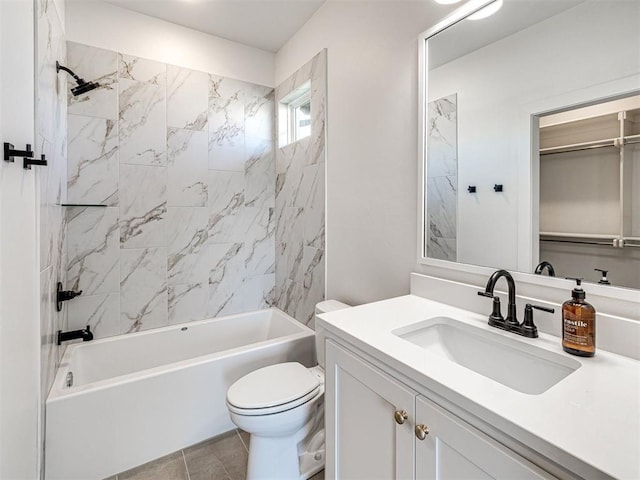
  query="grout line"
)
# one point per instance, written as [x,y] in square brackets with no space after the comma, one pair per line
[224,467]
[242,440]
[186,467]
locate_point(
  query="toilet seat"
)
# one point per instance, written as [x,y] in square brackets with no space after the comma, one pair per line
[273,389]
[277,408]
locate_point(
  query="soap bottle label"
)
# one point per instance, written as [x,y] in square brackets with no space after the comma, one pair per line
[575,331]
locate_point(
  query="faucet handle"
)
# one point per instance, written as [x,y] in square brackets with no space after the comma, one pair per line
[495,319]
[528,328]
[538,307]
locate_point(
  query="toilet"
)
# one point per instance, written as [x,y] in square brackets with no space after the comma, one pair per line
[282,407]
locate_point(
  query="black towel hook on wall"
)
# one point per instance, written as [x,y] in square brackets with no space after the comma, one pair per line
[10,155]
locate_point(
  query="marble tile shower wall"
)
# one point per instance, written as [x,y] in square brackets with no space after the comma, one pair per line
[182,163]
[442,178]
[51,137]
[300,200]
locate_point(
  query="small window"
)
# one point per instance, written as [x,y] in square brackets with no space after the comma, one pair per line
[300,118]
[295,115]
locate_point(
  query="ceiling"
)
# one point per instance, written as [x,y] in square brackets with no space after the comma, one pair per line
[264,24]
[469,35]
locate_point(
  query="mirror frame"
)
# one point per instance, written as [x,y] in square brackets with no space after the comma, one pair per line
[528,195]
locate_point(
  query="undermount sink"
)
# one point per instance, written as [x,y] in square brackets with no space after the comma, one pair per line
[517,365]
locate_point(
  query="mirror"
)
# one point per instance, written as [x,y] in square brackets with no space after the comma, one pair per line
[497,93]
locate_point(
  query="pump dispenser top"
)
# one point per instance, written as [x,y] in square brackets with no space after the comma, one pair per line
[578,323]
[577,293]
[603,280]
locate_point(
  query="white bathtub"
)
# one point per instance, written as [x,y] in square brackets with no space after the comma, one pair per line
[140,396]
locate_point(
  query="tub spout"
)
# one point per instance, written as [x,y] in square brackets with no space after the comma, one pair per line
[85,334]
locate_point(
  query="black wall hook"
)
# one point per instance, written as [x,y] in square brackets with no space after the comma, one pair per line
[27,162]
[471,189]
[497,187]
[10,153]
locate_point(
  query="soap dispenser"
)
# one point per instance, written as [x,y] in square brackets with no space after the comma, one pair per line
[578,324]
[603,280]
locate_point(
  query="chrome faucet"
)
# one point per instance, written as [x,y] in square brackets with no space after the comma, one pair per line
[527,328]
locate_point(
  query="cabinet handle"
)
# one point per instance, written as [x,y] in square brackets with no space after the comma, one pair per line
[421,431]
[400,416]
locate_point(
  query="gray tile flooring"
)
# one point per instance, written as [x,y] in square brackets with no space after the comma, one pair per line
[219,458]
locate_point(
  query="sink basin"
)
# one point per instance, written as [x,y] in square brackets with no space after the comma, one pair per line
[517,365]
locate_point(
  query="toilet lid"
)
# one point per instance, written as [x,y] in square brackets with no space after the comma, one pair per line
[271,386]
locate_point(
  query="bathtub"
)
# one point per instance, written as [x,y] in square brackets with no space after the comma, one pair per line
[122,401]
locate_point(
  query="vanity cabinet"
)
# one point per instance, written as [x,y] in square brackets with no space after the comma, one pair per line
[453,449]
[379,428]
[369,418]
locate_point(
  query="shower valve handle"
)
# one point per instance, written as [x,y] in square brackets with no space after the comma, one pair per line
[64,295]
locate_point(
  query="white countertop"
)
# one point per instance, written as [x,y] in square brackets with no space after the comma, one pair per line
[592,415]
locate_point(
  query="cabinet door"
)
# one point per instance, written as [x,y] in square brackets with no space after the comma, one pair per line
[454,449]
[364,440]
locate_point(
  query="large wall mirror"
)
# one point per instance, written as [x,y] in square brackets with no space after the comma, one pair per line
[531,138]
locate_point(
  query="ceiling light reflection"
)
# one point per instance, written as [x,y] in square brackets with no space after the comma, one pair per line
[487,11]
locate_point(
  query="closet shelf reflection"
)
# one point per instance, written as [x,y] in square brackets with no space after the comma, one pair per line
[575,147]
[615,241]
[604,143]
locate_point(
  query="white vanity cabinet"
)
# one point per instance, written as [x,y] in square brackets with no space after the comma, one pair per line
[453,449]
[364,438]
[371,421]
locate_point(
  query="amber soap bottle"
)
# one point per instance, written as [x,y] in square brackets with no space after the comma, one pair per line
[578,324]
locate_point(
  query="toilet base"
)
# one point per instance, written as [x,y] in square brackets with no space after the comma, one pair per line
[277,459]
[272,458]
[295,457]
[311,460]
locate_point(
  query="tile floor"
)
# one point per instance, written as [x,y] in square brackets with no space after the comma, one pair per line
[219,458]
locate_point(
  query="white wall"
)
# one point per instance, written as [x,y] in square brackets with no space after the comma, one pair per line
[372,158]
[19,319]
[110,27]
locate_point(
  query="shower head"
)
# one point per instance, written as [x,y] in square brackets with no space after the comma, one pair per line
[83,86]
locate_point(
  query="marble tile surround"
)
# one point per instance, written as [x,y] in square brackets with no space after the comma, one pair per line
[300,201]
[183,162]
[51,130]
[51,140]
[442,178]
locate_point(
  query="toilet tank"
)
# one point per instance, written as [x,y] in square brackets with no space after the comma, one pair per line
[325,306]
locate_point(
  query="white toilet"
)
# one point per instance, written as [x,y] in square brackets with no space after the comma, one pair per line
[282,407]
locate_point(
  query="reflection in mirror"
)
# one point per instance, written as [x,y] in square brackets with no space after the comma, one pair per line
[590,192]
[488,85]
